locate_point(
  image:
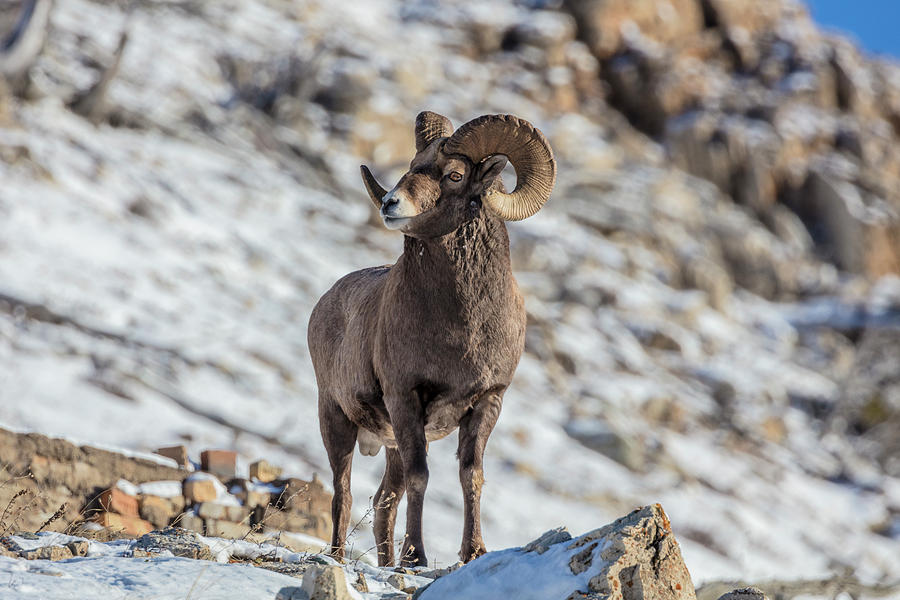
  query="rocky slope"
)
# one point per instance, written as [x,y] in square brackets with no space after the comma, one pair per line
[636,557]
[708,288]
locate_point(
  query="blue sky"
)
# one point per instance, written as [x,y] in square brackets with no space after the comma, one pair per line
[874,23]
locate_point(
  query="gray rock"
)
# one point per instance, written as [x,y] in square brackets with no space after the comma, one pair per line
[438,573]
[326,583]
[634,558]
[48,553]
[79,547]
[641,558]
[547,539]
[291,593]
[747,593]
[361,585]
[179,542]
[296,570]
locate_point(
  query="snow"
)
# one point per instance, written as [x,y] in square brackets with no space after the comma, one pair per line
[517,574]
[128,487]
[139,579]
[162,489]
[45,539]
[223,496]
[110,570]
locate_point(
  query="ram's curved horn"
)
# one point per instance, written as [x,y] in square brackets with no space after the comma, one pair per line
[20,45]
[525,147]
[429,127]
[376,192]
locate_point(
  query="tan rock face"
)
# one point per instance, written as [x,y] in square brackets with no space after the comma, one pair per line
[227,529]
[752,96]
[191,522]
[249,495]
[607,22]
[277,520]
[264,472]
[857,232]
[304,496]
[49,553]
[115,500]
[644,560]
[128,525]
[752,17]
[211,510]
[199,490]
[218,462]
[160,511]
[882,251]
[64,473]
[326,583]
[177,453]
[66,477]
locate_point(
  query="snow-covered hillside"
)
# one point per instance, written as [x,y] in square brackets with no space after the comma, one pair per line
[157,271]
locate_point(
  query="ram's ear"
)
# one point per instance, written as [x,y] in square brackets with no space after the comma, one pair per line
[488,170]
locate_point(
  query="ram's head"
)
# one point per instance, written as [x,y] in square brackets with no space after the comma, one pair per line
[454,174]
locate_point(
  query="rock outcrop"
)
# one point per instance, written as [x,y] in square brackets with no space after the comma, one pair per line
[753,97]
[633,558]
[55,485]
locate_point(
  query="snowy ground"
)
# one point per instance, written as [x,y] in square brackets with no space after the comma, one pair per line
[110,571]
[161,578]
[185,254]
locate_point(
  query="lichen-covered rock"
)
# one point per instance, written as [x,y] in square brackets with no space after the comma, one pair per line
[326,583]
[79,547]
[549,538]
[179,542]
[48,553]
[633,558]
[747,593]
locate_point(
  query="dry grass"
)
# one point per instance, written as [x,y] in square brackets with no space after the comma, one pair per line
[19,504]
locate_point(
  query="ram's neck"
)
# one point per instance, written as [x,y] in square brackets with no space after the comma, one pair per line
[463,270]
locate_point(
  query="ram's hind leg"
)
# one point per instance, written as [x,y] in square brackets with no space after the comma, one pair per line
[474,430]
[386,500]
[339,435]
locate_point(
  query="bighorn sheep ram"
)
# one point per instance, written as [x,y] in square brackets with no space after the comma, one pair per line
[405,354]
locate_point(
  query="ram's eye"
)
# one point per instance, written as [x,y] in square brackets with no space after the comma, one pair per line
[455,176]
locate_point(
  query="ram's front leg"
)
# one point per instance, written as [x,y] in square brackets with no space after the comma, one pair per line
[474,430]
[339,435]
[408,422]
[387,498]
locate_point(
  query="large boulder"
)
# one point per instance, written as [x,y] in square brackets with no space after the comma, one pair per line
[633,558]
